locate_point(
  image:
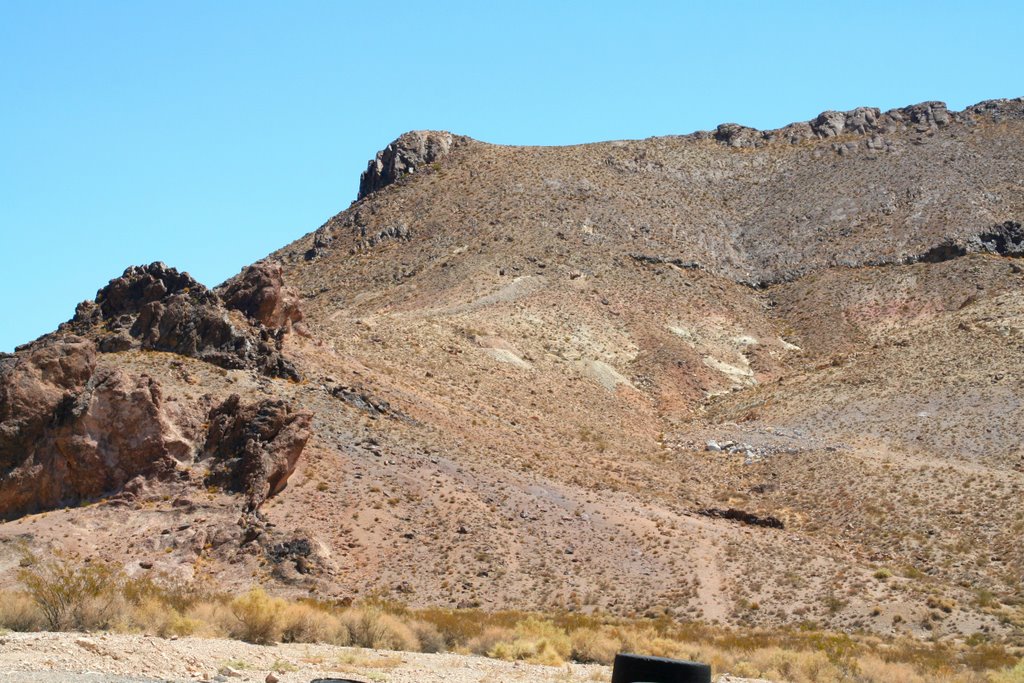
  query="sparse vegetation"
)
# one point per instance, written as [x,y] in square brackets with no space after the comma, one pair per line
[60,594]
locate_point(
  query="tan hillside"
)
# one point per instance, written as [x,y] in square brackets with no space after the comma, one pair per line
[743,377]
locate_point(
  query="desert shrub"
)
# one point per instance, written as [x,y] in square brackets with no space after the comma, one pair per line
[594,645]
[460,626]
[372,627]
[257,617]
[535,641]
[214,618]
[649,642]
[303,623]
[107,610]
[987,656]
[73,595]
[873,668]
[151,615]
[18,612]
[798,666]
[429,636]
[487,639]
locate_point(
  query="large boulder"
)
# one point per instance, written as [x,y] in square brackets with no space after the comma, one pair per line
[255,447]
[260,293]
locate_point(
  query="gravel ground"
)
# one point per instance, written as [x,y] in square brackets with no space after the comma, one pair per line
[108,658]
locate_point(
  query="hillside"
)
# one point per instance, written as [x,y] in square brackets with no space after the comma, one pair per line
[745,377]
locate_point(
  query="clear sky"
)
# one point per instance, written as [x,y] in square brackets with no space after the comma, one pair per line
[207,134]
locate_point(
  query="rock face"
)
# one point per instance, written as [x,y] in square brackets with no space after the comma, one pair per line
[255,447]
[157,308]
[70,432]
[33,383]
[260,293]
[405,155]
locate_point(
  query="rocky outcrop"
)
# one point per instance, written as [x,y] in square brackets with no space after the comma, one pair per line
[139,286]
[260,293]
[408,154]
[33,383]
[72,429]
[157,308]
[365,235]
[864,121]
[1003,239]
[744,517]
[255,448]
[69,432]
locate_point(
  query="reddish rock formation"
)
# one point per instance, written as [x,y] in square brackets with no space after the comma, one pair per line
[69,433]
[256,447]
[260,293]
[33,383]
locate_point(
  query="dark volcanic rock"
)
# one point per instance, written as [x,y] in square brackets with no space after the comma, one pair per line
[255,447]
[160,309]
[406,155]
[1006,239]
[260,293]
[69,433]
[743,516]
[142,285]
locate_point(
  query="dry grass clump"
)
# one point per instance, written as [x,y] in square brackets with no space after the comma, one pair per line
[374,628]
[258,617]
[154,616]
[1014,675]
[535,641]
[305,623]
[18,612]
[592,645]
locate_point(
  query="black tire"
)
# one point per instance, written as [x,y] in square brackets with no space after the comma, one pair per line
[334,680]
[640,669]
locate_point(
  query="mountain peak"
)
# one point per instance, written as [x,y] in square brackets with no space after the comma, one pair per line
[406,155]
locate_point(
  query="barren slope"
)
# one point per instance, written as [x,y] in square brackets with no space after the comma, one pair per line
[515,357]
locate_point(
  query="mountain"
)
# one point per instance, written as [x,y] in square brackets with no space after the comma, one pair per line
[752,377]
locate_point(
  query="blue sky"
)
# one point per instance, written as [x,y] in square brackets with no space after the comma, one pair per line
[207,134]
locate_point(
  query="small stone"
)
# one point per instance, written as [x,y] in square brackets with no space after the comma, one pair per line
[271,678]
[712,446]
